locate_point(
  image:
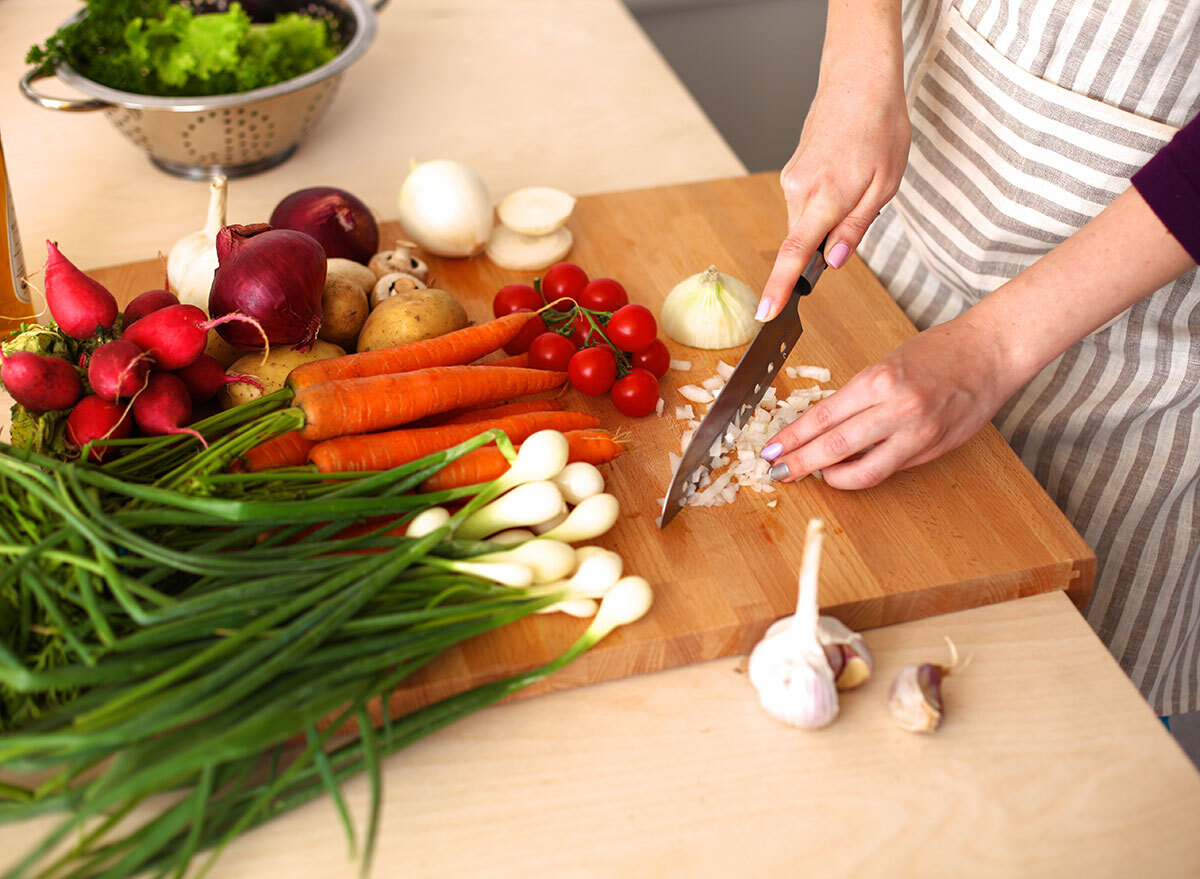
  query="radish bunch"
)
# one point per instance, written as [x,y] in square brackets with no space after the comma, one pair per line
[143,375]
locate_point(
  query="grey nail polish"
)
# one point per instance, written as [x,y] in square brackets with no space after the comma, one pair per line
[779,472]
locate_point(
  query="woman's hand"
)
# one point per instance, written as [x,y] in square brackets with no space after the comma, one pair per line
[930,395]
[853,148]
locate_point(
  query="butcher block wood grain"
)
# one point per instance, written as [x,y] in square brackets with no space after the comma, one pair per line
[970,529]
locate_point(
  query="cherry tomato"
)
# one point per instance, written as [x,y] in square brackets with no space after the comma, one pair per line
[521,341]
[550,351]
[603,294]
[581,331]
[655,357]
[563,279]
[632,328]
[636,394]
[514,297]
[592,370]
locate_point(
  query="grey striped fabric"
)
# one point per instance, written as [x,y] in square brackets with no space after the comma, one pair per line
[1029,116]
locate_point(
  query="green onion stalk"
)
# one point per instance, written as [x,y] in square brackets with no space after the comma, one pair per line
[167,626]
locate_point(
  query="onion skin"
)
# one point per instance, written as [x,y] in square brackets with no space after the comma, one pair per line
[276,277]
[340,222]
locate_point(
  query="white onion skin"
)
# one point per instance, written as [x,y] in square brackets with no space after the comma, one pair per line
[445,208]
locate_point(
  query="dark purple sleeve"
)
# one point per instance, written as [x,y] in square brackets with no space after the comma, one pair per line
[1170,183]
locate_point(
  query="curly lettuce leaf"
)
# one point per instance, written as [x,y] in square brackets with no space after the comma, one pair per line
[154,47]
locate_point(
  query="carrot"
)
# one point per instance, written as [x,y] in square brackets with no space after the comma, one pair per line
[487,463]
[518,407]
[380,451]
[362,405]
[451,349]
[286,450]
[521,359]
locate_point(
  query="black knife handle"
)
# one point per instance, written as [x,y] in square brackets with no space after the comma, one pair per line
[808,278]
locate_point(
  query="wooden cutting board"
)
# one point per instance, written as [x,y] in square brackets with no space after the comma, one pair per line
[969,529]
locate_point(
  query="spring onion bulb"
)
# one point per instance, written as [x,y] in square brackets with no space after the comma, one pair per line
[427,521]
[506,573]
[525,505]
[591,518]
[599,570]
[549,560]
[574,607]
[710,310]
[579,480]
[512,536]
[554,521]
[540,457]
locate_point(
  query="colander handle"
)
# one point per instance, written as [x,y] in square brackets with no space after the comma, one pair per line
[74,106]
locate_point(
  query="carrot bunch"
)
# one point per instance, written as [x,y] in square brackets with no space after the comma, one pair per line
[385,408]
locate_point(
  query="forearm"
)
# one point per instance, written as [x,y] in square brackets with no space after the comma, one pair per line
[1116,260]
[863,36]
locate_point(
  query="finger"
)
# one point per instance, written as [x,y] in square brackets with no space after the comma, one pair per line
[856,436]
[849,400]
[845,237]
[794,253]
[869,469]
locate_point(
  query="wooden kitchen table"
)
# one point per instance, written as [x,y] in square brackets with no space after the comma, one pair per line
[1049,763]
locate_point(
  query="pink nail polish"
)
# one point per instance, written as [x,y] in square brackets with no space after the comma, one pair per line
[838,255]
[764,308]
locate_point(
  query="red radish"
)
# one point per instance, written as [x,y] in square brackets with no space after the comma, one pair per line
[78,304]
[164,406]
[144,303]
[95,418]
[205,376]
[118,369]
[176,335]
[39,382]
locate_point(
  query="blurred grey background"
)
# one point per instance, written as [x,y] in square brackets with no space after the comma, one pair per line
[752,65]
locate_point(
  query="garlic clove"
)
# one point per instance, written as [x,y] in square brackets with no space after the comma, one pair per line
[915,696]
[857,662]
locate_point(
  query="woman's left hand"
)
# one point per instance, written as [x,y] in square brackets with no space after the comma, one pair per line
[930,395]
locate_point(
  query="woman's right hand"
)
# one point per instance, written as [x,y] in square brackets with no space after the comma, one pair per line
[852,152]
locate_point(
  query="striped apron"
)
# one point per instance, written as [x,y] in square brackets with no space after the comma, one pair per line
[1029,116]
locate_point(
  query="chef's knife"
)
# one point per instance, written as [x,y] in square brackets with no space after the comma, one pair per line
[755,372]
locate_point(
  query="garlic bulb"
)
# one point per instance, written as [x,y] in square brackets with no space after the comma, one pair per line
[445,208]
[193,258]
[789,668]
[710,310]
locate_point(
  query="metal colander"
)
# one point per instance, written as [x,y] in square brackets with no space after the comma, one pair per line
[234,135]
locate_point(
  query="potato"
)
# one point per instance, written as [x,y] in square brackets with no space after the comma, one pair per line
[272,374]
[355,271]
[408,317]
[343,310]
[220,350]
[392,283]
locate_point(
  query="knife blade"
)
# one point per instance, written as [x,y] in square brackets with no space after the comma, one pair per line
[755,372]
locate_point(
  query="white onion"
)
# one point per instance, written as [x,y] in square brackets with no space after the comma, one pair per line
[710,310]
[445,208]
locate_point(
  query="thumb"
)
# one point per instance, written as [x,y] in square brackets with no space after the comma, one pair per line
[845,237]
[793,257]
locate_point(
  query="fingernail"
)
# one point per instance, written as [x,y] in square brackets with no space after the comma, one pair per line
[779,472]
[838,255]
[771,452]
[764,308]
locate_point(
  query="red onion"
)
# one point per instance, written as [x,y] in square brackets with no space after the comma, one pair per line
[276,277]
[337,219]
